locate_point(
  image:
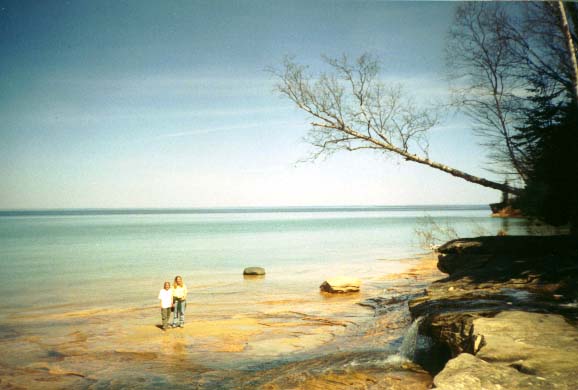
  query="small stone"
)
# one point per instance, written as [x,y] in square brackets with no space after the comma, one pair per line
[254,271]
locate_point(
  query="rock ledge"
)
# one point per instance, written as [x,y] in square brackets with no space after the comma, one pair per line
[505,316]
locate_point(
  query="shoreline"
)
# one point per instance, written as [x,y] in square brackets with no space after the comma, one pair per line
[89,346]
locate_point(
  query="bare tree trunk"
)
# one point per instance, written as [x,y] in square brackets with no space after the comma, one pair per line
[570,47]
[433,164]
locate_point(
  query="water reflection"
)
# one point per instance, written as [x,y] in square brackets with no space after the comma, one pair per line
[254,277]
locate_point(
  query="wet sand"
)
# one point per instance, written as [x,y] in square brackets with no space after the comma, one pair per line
[303,341]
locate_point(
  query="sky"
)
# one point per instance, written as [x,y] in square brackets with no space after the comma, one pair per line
[112,104]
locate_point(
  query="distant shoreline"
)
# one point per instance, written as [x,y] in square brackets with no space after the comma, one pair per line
[234,210]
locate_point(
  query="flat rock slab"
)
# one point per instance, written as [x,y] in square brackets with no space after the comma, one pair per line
[520,350]
[341,284]
[338,371]
[254,271]
[467,372]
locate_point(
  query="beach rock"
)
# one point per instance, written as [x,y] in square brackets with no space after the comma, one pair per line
[254,271]
[341,284]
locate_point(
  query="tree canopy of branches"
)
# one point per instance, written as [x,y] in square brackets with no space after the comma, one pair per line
[551,192]
[352,109]
[514,71]
[487,81]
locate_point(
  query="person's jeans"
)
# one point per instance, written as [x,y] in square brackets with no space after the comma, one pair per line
[165,315]
[179,314]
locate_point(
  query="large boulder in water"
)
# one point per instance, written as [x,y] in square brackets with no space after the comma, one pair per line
[341,284]
[254,271]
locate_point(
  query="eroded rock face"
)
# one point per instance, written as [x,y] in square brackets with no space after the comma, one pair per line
[254,271]
[341,284]
[455,331]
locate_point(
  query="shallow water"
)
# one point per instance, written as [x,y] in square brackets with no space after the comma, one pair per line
[123,259]
[86,307]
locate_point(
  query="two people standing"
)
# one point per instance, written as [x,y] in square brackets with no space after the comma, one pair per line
[173,299]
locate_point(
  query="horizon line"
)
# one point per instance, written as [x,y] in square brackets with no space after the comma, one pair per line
[128,210]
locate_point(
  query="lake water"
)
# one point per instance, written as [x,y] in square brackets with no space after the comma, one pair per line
[122,257]
[81,308]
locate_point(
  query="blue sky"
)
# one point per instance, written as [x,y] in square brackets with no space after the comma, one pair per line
[167,104]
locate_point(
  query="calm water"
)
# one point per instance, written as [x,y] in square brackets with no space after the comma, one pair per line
[121,257]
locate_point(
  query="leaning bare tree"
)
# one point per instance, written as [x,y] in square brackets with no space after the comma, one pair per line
[351,109]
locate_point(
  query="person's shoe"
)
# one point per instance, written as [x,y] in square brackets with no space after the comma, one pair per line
[181,325]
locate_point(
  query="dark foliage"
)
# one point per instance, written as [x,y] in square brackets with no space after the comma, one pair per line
[552,188]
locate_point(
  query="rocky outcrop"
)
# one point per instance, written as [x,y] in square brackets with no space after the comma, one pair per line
[518,350]
[467,254]
[501,314]
[505,210]
[254,271]
[341,284]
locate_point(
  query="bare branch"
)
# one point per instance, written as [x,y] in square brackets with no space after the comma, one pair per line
[483,60]
[353,110]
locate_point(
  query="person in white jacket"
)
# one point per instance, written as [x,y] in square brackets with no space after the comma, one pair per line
[166,297]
